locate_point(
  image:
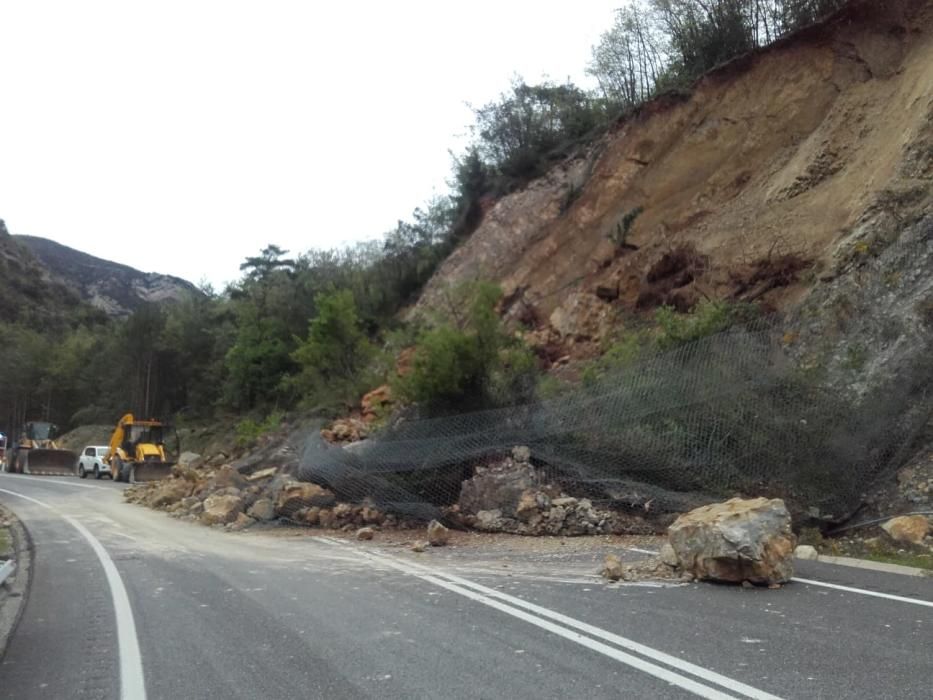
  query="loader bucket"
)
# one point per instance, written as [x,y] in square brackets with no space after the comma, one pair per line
[150,471]
[49,462]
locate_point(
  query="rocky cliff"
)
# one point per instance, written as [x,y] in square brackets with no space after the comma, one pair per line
[115,289]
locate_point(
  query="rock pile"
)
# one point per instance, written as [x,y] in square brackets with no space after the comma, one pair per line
[223,497]
[511,495]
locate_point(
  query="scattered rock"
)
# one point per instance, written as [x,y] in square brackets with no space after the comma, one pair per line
[242,522]
[489,520]
[521,454]
[910,529]
[420,546]
[375,402]
[221,509]
[223,478]
[365,533]
[498,486]
[372,516]
[262,509]
[189,460]
[668,556]
[346,430]
[735,541]
[168,491]
[438,535]
[263,474]
[295,495]
[612,568]
[806,552]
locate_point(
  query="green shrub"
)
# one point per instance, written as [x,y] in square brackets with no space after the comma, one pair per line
[669,330]
[467,359]
[248,431]
[336,356]
[706,319]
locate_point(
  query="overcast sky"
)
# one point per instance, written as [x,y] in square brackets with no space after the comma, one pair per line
[182,136]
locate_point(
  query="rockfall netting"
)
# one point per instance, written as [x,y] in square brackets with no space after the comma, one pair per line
[729,414]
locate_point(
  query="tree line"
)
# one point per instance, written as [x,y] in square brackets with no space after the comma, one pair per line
[319,328]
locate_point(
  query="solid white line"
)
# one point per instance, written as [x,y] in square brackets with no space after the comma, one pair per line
[618,640]
[50,480]
[862,591]
[848,589]
[132,681]
[633,661]
[640,551]
[487,596]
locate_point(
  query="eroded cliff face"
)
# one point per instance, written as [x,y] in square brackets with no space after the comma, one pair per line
[767,182]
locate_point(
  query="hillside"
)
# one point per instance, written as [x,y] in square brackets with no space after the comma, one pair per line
[115,289]
[775,176]
[27,293]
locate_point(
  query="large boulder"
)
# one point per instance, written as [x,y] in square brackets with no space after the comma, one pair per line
[221,509]
[296,495]
[910,529]
[735,541]
[500,486]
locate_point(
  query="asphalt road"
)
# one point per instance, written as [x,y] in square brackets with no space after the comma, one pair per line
[126,602]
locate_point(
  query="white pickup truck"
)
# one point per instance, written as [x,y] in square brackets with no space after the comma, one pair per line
[93,460]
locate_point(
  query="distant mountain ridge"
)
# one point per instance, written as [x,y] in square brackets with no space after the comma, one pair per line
[29,295]
[114,288]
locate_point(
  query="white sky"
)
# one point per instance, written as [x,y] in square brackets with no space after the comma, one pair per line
[182,136]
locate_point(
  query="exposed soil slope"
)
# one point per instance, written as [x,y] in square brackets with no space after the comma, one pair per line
[753,187]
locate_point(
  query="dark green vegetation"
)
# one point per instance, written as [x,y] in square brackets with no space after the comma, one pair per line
[317,329]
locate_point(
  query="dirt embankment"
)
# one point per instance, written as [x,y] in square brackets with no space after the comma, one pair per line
[761,177]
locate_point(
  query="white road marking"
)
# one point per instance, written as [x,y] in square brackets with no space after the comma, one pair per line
[848,589]
[862,591]
[548,619]
[132,681]
[50,480]
[640,551]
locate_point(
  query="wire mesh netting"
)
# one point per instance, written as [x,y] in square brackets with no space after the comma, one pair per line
[728,414]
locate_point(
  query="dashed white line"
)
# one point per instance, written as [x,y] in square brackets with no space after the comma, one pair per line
[132,681]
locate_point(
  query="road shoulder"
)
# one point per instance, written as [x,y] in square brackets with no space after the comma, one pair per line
[14,591]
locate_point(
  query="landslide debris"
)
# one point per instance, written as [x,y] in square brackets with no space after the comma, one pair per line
[736,541]
[512,495]
[223,497]
[508,495]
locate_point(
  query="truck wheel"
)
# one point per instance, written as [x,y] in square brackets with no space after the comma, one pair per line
[81,473]
[96,471]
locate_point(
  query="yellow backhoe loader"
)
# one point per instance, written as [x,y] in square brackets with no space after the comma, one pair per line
[137,450]
[36,452]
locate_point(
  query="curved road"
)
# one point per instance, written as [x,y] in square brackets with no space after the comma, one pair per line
[126,602]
